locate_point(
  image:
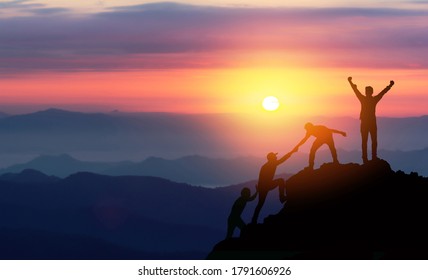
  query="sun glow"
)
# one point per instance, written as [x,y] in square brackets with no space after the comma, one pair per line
[270,103]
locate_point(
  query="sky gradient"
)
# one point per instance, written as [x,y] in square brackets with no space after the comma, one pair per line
[212,57]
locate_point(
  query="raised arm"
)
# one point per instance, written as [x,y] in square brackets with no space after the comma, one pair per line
[385,90]
[354,87]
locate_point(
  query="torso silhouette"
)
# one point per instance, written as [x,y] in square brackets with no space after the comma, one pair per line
[239,206]
[368,107]
[320,132]
[267,173]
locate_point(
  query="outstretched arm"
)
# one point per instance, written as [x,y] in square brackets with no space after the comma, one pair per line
[385,90]
[251,198]
[287,156]
[354,87]
[338,132]
[303,140]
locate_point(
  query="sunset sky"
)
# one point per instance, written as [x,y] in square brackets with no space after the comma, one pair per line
[219,56]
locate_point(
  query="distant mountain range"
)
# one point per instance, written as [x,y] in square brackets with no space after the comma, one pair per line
[126,217]
[28,176]
[110,136]
[204,171]
[120,136]
[194,170]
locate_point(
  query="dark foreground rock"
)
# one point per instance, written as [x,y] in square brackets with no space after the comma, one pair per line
[346,211]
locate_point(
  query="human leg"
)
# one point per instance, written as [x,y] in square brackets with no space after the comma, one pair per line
[280,183]
[315,146]
[373,136]
[240,223]
[364,137]
[230,227]
[262,198]
[333,151]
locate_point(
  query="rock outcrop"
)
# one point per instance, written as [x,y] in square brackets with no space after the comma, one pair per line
[346,211]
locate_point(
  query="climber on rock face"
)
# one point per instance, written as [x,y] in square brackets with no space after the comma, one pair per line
[238,207]
[267,182]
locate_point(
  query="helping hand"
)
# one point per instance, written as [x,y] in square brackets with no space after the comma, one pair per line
[391,83]
[350,79]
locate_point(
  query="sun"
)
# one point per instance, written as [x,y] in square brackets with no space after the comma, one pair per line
[270,103]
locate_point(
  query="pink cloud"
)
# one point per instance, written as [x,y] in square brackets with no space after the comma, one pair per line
[180,36]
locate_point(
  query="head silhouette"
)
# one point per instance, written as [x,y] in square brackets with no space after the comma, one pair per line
[308,126]
[369,91]
[271,156]
[245,192]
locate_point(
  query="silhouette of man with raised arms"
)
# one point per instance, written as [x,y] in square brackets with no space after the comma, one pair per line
[323,135]
[235,219]
[267,181]
[368,116]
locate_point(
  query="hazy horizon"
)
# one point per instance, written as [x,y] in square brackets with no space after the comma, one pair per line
[88,109]
[121,136]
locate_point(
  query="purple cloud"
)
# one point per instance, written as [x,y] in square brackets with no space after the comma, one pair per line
[169,35]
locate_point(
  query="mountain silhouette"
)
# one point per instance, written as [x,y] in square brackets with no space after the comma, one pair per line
[62,165]
[115,135]
[346,211]
[210,172]
[28,176]
[57,120]
[141,217]
[195,170]
[24,244]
